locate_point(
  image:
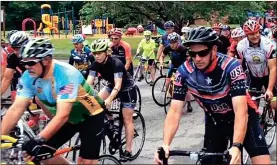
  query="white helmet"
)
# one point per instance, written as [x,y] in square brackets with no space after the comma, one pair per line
[237,32]
[18,38]
[185,29]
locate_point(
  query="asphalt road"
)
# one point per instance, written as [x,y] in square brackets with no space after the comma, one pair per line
[189,135]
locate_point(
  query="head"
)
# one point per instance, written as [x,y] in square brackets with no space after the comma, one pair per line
[202,46]
[3,43]
[237,34]
[37,56]
[185,31]
[100,48]
[10,34]
[169,27]
[77,41]
[147,35]
[217,27]
[274,31]
[116,35]
[17,39]
[226,31]
[173,39]
[252,30]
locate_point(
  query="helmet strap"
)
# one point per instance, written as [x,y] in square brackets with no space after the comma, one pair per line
[106,58]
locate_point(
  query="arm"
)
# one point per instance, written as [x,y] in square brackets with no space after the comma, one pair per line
[128,55]
[116,89]
[272,73]
[160,50]
[61,117]
[13,114]
[139,47]
[3,67]
[92,74]
[6,81]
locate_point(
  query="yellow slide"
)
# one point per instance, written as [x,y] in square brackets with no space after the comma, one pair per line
[45,19]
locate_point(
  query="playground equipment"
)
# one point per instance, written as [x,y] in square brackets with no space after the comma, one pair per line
[49,20]
[24,25]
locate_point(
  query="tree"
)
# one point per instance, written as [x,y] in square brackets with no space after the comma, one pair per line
[178,12]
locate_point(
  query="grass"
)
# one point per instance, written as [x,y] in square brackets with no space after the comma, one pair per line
[64,46]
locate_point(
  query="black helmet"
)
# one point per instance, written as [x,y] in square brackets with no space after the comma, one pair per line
[201,35]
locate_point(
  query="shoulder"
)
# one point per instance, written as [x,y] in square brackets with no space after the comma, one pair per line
[26,78]
[266,44]
[115,61]
[125,44]
[64,70]
[243,44]
[228,63]
[86,49]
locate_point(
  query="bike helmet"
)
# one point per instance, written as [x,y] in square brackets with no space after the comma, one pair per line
[100,45]
[237,32]
[38,48]
[201,35]
[116,31]
[251,26]
[169,25]
[147,33]
[18,38]
[78,38]
[226,27]
[10,34]
[173,37]
[217,26]
[185,29]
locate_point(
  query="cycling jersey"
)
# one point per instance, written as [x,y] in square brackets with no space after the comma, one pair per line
[233,48]
[214,88]
[147,47]
[113,68]
[256,57]
[224,43]
[81,60]
[123,51]
[177,56]
[63,83]
[165,42]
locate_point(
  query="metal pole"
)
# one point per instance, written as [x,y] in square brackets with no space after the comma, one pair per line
[51,18]
[73,21]
[65,21]
[59,24]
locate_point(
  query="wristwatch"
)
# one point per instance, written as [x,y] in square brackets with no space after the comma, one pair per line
[238,145]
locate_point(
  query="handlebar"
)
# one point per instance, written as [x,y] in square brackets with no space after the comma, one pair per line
[193,155]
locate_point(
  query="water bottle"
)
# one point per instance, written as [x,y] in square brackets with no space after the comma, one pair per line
[42,122]
[34,126]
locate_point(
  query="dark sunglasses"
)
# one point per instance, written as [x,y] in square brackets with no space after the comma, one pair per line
[114,38]
[30,63]
[201,53]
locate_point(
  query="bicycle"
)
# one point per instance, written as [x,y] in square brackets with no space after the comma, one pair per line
[13,143]
[115,133]
[267,121]
[198,156]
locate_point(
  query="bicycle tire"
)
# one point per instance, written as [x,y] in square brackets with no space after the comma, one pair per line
[111,158]
[123,137]
[138,99]
[147,77]
[159,102]
[135,76]
[269,126]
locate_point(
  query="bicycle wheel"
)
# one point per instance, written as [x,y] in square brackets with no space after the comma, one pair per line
[139,136]
[158,90]
[168,97]
[108,159]
[147,77]
[138,105]
[269,128]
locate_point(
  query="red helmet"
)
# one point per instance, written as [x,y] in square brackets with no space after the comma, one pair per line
[251,26]
[84,36]
[116,31]
[217,26]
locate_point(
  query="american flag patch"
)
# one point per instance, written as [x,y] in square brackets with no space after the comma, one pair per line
[67,89]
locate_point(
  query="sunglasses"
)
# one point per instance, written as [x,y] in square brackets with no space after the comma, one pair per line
[30,63]
[114,38]
[201,53]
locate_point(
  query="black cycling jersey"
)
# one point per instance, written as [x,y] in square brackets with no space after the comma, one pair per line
[13,62]
[113,68]
[224,44]
[178,56]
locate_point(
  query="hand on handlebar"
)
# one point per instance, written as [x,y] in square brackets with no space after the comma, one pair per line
[161,154]
[235,154]
[161,66]
[268,95]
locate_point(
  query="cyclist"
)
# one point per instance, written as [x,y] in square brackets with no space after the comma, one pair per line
[224,42]
[148,46]
[237,35]
[169,27]
[14,69]
[120,84]
[178,55]
[86,42]
[74,105]
[185,31]
[258,54]
[226,32]
[3,58]
[121,49]
[81,56]
[218,83]
[274,40]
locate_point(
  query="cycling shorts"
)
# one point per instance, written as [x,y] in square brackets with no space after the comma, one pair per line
[217,136]
[172,69]
[90,131]
[150,61]
[258,83]
[128,97]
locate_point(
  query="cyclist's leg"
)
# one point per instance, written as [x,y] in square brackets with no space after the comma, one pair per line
[215,140]
[105,92]
[168,76]
[254,141]
[61,137]
[128,99]
[152,69]
[91,133]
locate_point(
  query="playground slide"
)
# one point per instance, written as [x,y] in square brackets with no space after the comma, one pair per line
[49,25]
